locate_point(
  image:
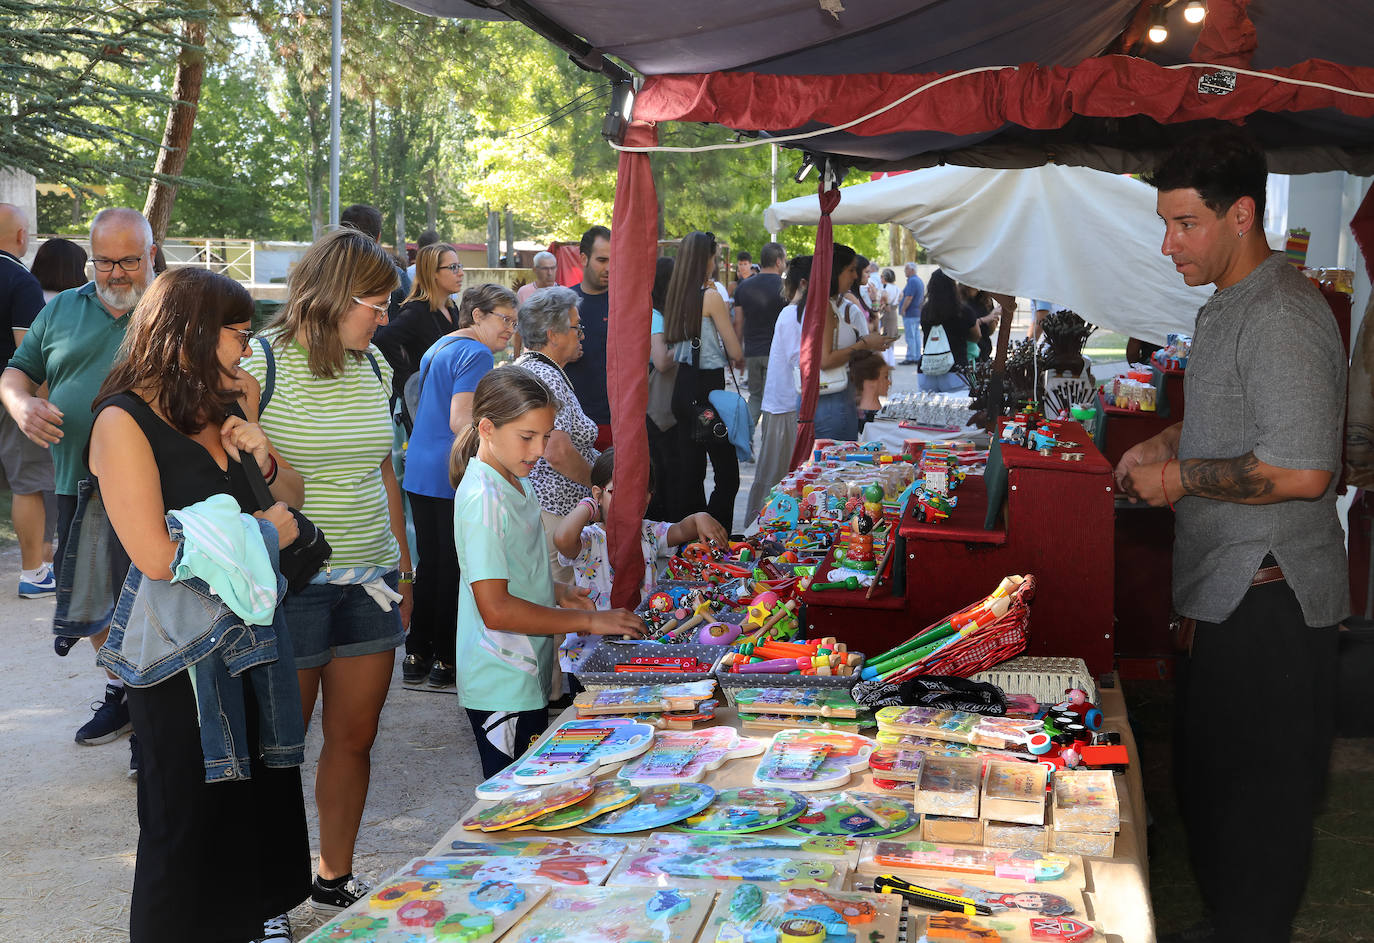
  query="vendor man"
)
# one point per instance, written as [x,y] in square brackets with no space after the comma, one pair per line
[1259,559]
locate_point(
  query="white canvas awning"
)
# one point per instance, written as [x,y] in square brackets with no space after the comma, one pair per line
[1083,239]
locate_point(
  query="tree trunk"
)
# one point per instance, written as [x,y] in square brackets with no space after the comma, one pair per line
[432,202]
[400,169]
[373,148]
[181,120]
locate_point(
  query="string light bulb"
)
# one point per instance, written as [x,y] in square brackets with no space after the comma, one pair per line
[1194,12]
[1159,30]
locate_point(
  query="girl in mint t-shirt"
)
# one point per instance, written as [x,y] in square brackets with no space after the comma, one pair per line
[509,606]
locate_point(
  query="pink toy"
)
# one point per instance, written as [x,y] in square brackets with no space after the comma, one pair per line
[718,633]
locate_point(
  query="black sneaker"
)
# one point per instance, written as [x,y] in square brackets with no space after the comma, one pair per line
[275,928]
[441,675]
[134,756]
[330,897]
[414,669]
[63,644]
[111,720]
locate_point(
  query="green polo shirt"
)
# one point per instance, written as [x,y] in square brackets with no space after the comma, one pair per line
[71,345]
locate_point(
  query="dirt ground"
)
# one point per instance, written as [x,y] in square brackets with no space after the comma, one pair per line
[68,824]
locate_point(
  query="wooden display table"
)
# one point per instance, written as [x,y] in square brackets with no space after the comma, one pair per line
[1117,892]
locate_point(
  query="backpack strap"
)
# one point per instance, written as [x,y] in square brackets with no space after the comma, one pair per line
[375,368]
[269,380]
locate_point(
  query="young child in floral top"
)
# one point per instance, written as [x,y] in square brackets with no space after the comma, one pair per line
[581,543]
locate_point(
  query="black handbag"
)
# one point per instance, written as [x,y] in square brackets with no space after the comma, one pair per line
[708,427]
[309,552]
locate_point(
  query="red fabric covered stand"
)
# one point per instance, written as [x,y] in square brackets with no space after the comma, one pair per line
[813,321]
[1055,523]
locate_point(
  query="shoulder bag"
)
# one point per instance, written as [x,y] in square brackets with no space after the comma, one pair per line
[834,379]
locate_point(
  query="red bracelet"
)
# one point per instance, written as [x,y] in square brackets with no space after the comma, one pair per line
[272,477]
[1163,486]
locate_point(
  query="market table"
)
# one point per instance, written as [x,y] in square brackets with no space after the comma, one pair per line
[1117,890]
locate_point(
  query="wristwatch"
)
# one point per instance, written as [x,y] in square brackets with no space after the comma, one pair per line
[405,576]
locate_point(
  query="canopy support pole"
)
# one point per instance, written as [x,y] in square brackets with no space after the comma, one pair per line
[817,308]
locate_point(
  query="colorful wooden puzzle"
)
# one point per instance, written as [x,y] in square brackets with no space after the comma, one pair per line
[575,870]
[536,848]
[854,815]
[601,914]
[686,756]
[810,760]
[751,913]
[1024,865]
[657,807]
[607,794]
[644,698]
[438,910]
[746,810]
[708,869]
[518,808]
[821,702]
[578,747]
[999,733]
[797,846]
[772,723]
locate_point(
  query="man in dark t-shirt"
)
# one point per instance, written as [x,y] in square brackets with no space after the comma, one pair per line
[587,374]
[758,299]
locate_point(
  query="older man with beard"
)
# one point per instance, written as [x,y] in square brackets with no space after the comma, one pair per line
[70,347]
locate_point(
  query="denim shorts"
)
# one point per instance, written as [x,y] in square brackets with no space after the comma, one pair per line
[329,621]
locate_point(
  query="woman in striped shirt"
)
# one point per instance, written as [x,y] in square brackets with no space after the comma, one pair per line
[325,406]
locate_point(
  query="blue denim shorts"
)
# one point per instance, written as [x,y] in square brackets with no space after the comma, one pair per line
[329,621]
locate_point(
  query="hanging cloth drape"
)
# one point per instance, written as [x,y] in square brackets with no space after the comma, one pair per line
[814,319]
[634,252]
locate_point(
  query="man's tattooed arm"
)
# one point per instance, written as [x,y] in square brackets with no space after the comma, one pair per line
[1237,479]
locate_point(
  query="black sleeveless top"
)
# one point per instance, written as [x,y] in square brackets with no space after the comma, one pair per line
[187,471]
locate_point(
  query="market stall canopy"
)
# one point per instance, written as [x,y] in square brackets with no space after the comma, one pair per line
[1084,239]
[1056,91]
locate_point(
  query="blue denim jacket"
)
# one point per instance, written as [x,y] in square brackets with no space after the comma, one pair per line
[160,628]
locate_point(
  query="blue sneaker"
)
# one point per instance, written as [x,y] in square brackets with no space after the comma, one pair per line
[43,584]
[111,719]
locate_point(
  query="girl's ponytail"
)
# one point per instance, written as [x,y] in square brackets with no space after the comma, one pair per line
[503,395]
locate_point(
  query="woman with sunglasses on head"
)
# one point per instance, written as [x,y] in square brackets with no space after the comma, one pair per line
[448,375]
[174,427]
[326,409]
[427,314]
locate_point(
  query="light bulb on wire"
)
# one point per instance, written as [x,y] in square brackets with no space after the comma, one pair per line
[1194,12]
[1158,31]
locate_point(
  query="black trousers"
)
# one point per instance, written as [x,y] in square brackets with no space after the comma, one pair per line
[502,736]
[214,859]
[1256,715]
[688,481]
[434,622]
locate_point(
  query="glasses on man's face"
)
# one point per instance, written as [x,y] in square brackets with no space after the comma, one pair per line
[379,310]
[455,268]
[244,336]
[129,263]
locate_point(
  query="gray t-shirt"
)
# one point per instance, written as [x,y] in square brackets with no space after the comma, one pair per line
[1266,375]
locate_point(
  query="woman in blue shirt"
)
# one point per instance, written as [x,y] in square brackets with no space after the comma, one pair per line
[449,372]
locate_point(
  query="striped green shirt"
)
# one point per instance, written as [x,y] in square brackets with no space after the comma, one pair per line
[336,433]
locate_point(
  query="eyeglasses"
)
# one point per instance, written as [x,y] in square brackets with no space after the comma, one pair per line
[510,322]
[454,268]
[581,331]
[129,263]
[244,336]
[379,310]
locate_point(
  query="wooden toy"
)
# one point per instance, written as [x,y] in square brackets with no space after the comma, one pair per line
[1007,835]
[752,912]
[599,914]
[645,697]
[746,810]
[960,928]
[1060,928]
[810,760]
[578,747]
[718,633]
[606,795]
[1086,800]
[949,786]
[709,869]
[855,815]
[795,846]
[518,808]
[573,869]
[535,848]
[1003,897]
[685,756]
[452,911]
[1015,792]
[499,786]
[1025,865]
[657,807]
[771,723]
[949,828]
[822,702]
[998,733]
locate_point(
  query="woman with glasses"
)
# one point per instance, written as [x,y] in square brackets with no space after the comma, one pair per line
[173,428]
[447,377]
[551,328]
[427,315]
[326,409]
[697,324]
